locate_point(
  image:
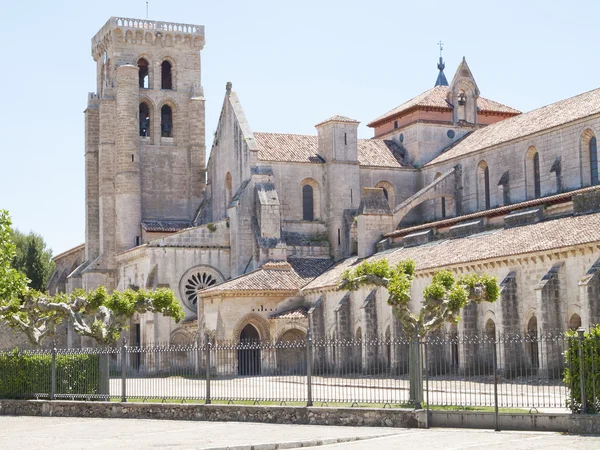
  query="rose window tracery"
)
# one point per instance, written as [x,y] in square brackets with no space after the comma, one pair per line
[195,282]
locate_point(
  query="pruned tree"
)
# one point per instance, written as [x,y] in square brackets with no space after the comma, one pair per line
[443,299]
[97,314]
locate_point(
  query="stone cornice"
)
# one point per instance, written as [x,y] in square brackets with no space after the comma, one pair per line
[153,32]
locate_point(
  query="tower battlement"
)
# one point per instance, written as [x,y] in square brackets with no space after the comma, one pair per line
[123,30]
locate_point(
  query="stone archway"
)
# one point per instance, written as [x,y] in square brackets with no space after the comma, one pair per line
[249,351]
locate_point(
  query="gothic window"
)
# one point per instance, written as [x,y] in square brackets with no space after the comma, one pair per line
[144,80]
[144,119]
[395,124]
[536,175]
[196,281]
[167,76]
[593,160]
[166,121]
[307,203]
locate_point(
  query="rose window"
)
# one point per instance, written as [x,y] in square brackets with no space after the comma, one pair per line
[194,283]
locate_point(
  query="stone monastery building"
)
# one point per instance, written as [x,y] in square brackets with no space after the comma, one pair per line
[254,240]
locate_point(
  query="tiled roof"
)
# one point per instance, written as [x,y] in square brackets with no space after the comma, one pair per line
[79,248]
[540,119]
[491,244]
[298,313]
[436,98]
[273,276]
[501,210]
[304,148]
[338,118]
[166,225]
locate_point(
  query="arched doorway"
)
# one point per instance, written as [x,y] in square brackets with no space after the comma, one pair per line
[249,351]
[532,345]
[291,352]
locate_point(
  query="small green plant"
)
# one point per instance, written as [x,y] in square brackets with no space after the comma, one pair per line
[591,362]
[211,227]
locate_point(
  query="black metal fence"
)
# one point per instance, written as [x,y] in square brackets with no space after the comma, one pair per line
[509,371]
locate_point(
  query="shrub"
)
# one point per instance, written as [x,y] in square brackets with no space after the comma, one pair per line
[25,375]
[591,357]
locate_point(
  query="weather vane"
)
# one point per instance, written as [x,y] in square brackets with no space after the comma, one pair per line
[441,44]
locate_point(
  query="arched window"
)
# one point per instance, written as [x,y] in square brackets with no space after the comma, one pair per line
[166,121]
[385,192]
[532,345]
[308,211]
[144,77]
[388,191]
[167,76]
[536,175]
[574,322]
[593,160]
[144,119]
[483,185]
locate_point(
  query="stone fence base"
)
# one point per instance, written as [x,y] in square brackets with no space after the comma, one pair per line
[372,417]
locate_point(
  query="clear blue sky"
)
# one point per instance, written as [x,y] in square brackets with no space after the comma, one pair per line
[292,64]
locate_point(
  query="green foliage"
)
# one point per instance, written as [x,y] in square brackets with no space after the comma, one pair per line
[33,259]
[24,375]
[12,282]
[211,227]
[591,367]
[443,298]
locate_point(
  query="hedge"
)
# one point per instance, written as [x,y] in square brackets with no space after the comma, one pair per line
[26,375]
[591,355]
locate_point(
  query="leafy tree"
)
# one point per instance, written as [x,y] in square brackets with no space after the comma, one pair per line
[33,259]
[96,314]
[12,282]
[443,299]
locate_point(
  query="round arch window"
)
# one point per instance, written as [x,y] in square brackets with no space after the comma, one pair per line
[195,280]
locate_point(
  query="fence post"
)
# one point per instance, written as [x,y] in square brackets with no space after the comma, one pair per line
[53,374]
[426,362]
[309,400]
[580,332]
[495,364]
[123,370]
[207,352]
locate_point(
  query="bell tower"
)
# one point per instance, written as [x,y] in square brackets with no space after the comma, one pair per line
[145,146]
[463,95]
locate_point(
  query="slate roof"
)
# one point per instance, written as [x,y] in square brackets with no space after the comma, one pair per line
[540,119]
[166,225]
[491,244]
[436,98]
[273,276]
[280,147]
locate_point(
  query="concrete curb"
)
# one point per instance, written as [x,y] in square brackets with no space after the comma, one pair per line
[301,444]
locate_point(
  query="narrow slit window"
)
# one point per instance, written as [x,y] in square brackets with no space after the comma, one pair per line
[339,237]
[167,75]
[308,203]
[166,124]
[486,175]
[144,79]
[593,161]
[536,176]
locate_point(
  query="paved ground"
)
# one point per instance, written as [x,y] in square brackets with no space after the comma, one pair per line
[53,433]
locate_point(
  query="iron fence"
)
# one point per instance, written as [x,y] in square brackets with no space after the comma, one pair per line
[508,371]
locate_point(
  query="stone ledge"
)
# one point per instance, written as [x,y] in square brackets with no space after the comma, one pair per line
[399,418]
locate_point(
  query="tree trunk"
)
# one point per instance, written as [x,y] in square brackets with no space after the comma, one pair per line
[415,370]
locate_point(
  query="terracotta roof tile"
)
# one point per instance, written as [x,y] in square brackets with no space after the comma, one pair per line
[298,313]
[436,98]
[540,119]
[281,147]
[273,276]
[490,244]
[337,118]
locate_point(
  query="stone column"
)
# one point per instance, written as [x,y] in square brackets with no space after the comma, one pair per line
[370,351]
[128,200]
[197,148]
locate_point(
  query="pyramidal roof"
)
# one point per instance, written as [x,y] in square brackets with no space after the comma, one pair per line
[436,98]
[337,118]
[441,79]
